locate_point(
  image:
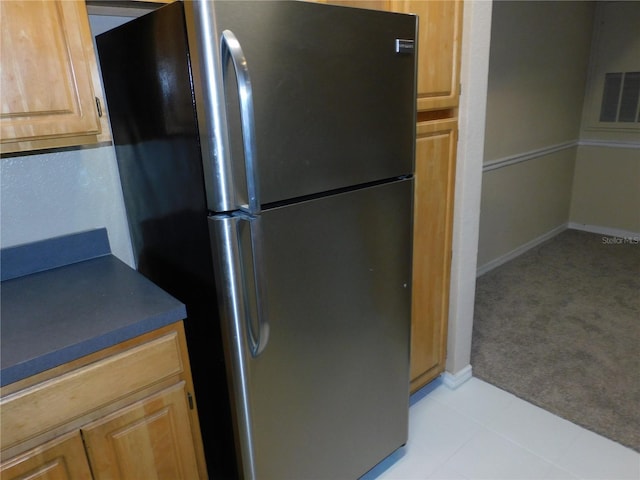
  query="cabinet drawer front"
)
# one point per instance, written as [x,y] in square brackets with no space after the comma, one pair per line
[46,405]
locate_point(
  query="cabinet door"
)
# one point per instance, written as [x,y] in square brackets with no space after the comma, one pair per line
[439,36]
[433,217]
[149,439]
[60,459]
[46,73]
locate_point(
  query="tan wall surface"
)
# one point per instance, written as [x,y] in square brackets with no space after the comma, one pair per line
[606,188]
[537,77]
[522,202]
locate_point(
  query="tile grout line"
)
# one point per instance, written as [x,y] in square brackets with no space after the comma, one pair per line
[485,426]
[466,417]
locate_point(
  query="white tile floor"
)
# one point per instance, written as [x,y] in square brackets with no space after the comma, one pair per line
[481,432]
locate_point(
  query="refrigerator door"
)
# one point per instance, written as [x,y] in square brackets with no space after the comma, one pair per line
[332,90]
[327,397]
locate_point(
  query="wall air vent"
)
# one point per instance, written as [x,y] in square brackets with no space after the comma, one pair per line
[621,97]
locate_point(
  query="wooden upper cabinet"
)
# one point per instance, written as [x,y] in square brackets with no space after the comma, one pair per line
[439,38]
[48,75]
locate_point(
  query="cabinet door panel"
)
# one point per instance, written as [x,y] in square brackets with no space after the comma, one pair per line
[149,439]
[61,459]
[433,211]
[46,81]
[439,35]
[439,38]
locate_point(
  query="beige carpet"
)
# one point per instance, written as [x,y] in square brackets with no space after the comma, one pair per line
[559,326]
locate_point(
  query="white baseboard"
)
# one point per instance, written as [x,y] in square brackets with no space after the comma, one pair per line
[454,380]
[610,232]
[496,262]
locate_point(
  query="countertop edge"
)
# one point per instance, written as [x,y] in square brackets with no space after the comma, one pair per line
[63,312]
[54,359]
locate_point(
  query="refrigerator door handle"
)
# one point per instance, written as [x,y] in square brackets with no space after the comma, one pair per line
[227,253]
[230,48]
[257,339]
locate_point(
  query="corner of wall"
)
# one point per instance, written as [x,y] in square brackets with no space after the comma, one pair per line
[474,73]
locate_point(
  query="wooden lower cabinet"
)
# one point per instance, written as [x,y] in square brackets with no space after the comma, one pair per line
[433,220]
[152,435]
[60,459]
[127,412]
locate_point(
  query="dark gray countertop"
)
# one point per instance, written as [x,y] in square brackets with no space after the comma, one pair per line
[58,315]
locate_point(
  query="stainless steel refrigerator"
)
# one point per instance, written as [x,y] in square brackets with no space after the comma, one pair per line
[266,153]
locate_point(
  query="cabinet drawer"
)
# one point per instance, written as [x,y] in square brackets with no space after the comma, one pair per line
[49,404]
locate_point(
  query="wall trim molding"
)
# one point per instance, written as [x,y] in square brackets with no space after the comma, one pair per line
[541,152]
[525,156]
[607,231]
[454,380]
[610,143]
[516,252]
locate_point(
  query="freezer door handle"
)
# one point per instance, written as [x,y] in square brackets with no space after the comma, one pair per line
[258,331]
[230,48]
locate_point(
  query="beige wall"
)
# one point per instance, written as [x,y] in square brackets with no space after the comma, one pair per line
[522,202]
[537,75]
[606,188]
[615,48]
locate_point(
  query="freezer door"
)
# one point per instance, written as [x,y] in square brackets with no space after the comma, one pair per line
[332,95]
[327,396]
